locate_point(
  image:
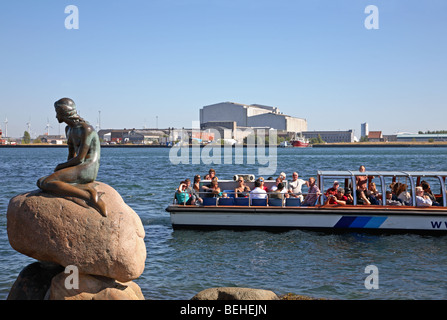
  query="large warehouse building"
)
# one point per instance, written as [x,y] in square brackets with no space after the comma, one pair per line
[250,116]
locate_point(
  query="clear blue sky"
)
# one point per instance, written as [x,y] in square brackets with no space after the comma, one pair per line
[136,60]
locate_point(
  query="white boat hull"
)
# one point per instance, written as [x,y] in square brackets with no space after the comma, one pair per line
[309,218]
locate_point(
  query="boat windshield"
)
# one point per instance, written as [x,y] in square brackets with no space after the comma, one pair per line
[391,183]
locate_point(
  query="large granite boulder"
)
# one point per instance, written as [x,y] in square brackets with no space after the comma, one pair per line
[51,228]
[34,281]
[93,288]
[235,293]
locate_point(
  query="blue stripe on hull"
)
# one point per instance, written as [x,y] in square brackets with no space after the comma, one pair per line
[375,222]
[360,222]
[344,222]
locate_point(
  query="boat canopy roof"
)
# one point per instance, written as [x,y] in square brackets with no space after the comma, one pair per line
[348,173]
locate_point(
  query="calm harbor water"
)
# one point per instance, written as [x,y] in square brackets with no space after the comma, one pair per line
[181,263]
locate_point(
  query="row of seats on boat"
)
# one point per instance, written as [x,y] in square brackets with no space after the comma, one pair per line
[231,201]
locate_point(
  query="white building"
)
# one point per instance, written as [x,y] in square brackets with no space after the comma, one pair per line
[364,132]
[252,116]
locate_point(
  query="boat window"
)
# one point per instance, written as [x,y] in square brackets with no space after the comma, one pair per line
[398,191]
[432,186]
[375,185]
[328,184]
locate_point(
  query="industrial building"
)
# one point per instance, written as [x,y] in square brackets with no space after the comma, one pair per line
[53,139]
[331,136]
[422,137]
[250,116]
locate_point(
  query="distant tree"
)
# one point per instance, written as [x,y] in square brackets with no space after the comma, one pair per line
[316,140]
[26,137]
[364,139]
[433,132]
[319,139]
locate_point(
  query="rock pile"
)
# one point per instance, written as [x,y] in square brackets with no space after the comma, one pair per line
[106,252]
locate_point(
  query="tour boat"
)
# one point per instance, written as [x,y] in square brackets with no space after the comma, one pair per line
[287,213]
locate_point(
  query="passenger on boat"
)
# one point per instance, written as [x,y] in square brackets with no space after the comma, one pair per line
[196,184]
[394,186]
[422,200]
[282,175]
[280,192]
[295,186]
[214,190]
[275,186]
[312,194]
[333,190]
[348,194]
[181,195]
[240,190]
[192,192]
[374,196]
[205,188]
[373,189]
[212,173]
[258,192]
[263,187]
[337,198]
[403,195]
[362,199]
[390,201]
[361,181]
[427,191]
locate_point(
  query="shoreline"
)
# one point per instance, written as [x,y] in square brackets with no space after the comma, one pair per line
[382,145]
[325,145]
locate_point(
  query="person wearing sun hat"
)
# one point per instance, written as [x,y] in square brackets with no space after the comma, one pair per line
[282,175]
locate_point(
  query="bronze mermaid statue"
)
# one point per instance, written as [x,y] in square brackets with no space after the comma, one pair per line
[75,177]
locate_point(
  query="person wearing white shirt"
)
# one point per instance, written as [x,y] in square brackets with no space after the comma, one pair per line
[421,199]
[295,186]
[275,187]
[258,192]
